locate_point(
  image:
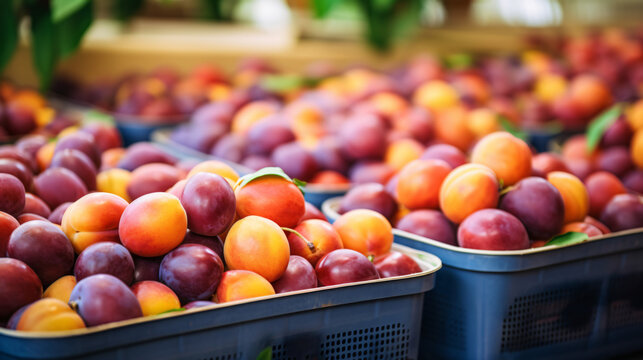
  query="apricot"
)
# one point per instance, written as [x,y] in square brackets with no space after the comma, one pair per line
[44,155]
[329,177]
[155,298]
[61,288]
[93,218]
[153,224]
[451,127]
[242,284]
[574,193]
[272,197]
[467,189]
[401,152]
[549,87]
[483,122]
[601,187]
[636,148]
[313,239]
[436,95]
[114,181]
[215,167]
[259,245]
[251,114]
[546,162]
[365,231]
[419,182]
[111,157]
[578,226]
[508,156]
[634,115]
[576,148]
[49,315]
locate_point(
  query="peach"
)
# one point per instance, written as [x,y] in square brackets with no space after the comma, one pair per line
[578,226]
[636,148]
[215,167]
[365,231]
[259,245]
[508,156]
[7,225]
[467,189]
[114,181]
[436,95]
[155,298]
[153,224]
[451,127]
[312,239]
[151,178]
[419,182]
[250,114]
[93,218]
[242,284]
[49,315]
[401,152]
[61,288]
[329,177]
[272,197]
[574,193]
[601,187]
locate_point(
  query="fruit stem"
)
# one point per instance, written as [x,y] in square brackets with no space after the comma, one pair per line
[371,258]
[310,245]
[73,305]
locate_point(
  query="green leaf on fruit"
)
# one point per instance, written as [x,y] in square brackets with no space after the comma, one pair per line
[509,127]
[267,171]
[568,238]
[300,184]
[599,125]
[61,9]
[265,354]
[173,310]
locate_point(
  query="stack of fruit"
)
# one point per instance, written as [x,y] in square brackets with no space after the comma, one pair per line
[102,259]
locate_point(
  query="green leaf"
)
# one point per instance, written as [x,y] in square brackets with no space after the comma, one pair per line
[123,10]
[98,116]
[300,184]
[172,310]
[265,354]
[281,83]
[597,127]
[267,171]
[61,9]
[383,5]
[509,127]
[71,30]
[8,32]
[568,238]
[459,61]
[43,44]
[322,8]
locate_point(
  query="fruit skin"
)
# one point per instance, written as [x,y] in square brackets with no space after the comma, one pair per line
[395,264]
[296,161]
[61,289]
[636,149]
[192,271]
[93,218]
[44,247]
[371,196]
[19,170]
[599,225]
[143,153]
[365,231]
[198,304]
[401,152]
[105,258]
[505,154]
[259,245]
[431,224]
[272,197]
[78,163]
[312,212]
[82,142]
[146,268]
[623,212]
[242,284]
[574,193]
[59,185]
[344,266]
[215,167]
[318,233]
[362,138]
[448,153]
[436,95]
[12,200]
[35,205]
[56,216]
[601,187]
[155,298]
[583,227]
[492,229]
[19,286]
[419,182]
[209,203]
[299,275]
[467,189]
[537,204]
[153,224]
[544,163]
[7,225]
[151,178]
[114,181]
[49,315]
[101,299]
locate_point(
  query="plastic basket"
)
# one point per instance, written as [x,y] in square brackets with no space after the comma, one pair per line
[377,319]
[314,194]
[579,301]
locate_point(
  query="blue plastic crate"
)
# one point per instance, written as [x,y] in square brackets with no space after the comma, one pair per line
[314,194]
[377,319]
[576,302]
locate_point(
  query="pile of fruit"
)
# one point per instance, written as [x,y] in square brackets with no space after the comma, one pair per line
[506,198]
[194,234]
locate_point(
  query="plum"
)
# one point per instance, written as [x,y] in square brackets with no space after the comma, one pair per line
[12,200]
[344,266]
[154,177]
[449,153]
[20,119]
[395,264]
[328,155]
[268,134]
[82,142]
[17,169]
[44,247]
[299,275]
[59,185]
[12,152]
[212,242]
[295,160]
[146,268]
[492,229]
[256,162]
[192,271]
[102,298]
[78,163]
[209,203]
[35,205]
[634,181]
[537,204]
[105,136]
[616,160]
[105,258]
[431,224]
[623,212]
[213,113]
[144,153]
[231,147]
[56,216]
[31,143]
[363,137]
[371,171]
[618,134]
[19,286]
[371,196]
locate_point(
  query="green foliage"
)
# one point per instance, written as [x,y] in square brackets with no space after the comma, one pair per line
[597,127]
[265,354]
[8,31]
[509,127]
[568,238]
[268,171]
[123,10]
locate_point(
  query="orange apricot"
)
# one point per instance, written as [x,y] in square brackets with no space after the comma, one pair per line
[436,95]
[636,148]
[250,114]
[329,177]
[215,167]
[508,156]
[634,115]
[483,121]
[365,231]
[61,288]
[242,284]
[155,298]
[418,184]
[313,239]
[467,189]
[451,127]
[574,193]
[401,152]
[272,197]
[49,315]
[114,181]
